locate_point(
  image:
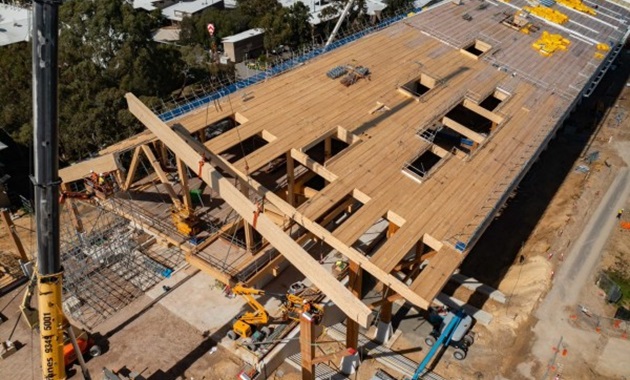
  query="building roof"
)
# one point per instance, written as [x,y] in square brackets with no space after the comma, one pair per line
[243,35]
[177,12]
[147,5]
[456,107]
[15,24]
[167,34]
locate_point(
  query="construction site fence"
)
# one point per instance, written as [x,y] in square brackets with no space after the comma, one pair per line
[284,66]
[607,326]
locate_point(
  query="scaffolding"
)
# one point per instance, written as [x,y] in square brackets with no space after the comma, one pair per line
[108,265]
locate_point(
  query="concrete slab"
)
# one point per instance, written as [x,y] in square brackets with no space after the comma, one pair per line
[613,361]
[199,302]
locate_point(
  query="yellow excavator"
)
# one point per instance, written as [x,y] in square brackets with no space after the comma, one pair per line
[252,325]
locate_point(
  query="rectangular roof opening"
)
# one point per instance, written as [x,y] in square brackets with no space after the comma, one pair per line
[493,100]
[381,230]
[247,146]
[221,126]
[330,146]
[418,86]
[340,212]
[426,162]
[471,120]
[476,48]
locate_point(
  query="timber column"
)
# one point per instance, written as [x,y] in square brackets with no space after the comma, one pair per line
[349,364]
[307,337]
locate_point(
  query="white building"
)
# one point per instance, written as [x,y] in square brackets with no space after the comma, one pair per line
[247,44]
[176,10]
[15,24]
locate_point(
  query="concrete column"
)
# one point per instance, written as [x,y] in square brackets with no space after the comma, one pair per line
[385,330]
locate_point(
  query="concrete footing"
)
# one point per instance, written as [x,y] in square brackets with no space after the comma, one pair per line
[384,332]
[349,364]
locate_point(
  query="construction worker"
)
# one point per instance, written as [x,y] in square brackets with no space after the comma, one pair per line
[619,213]
[101,179]
[307,306]
[93,177]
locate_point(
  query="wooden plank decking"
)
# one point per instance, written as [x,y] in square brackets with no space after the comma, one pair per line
[454,202]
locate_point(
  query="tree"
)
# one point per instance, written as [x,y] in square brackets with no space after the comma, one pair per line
[256,10]
[226,22]
[397,6]
[16,111]
[298,19]
[277,28]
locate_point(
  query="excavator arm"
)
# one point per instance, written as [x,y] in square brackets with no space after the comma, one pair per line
[259,316]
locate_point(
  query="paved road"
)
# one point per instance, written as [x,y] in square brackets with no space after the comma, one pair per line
[570,279]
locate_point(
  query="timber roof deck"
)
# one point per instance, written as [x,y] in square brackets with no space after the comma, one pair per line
[454,201]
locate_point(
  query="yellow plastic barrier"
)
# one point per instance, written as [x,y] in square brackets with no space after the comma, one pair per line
[548,14]
[603,47]
[550,43]
[578,6]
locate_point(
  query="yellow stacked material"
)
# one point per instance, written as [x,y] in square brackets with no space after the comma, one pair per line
[599,55]
[603,47]
[547,14]
[550,43]
[578,6]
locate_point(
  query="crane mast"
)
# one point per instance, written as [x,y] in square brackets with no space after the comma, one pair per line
[46,181]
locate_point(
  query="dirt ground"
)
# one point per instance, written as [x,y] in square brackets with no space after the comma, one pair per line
[538,227]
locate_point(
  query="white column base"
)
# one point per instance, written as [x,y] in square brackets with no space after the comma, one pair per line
[384,332]
[349,364]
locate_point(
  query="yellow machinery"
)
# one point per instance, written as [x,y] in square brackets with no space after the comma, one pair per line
[30,313]
[295,305]
[102,184]
[186,221]
[251,325]
[245,324]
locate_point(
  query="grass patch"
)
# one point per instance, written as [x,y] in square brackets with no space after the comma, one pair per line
[623,281]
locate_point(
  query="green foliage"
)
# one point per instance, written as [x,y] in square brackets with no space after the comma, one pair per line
[396,6]
[105,50]
[623,280]
[256,10]
[16,111]
[226,22]
[283,26]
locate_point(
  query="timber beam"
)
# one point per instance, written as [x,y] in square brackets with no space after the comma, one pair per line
[160,173]
[322,278]
[135,160]
[317,230]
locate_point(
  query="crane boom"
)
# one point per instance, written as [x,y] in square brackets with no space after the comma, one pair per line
[46,181]
[343,15]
